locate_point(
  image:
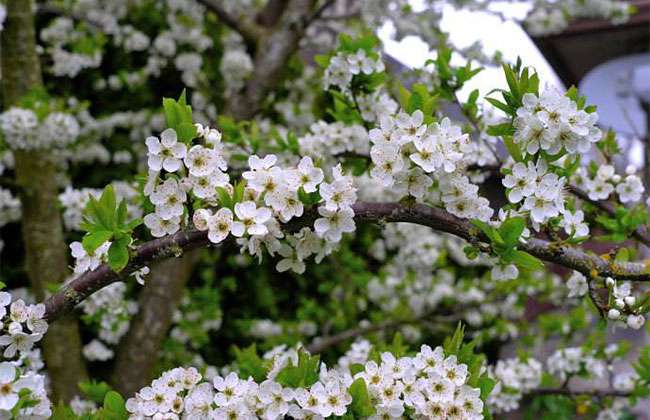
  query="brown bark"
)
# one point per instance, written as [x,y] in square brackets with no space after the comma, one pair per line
[273,51]
[137,354]
[45,247]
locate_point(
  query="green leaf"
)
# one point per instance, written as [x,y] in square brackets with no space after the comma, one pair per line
[250,364]
[452,344]
[361,403]
[500,105]
[513,148]
[114,406]
[526,261]
[504,129]
[118,254]
[95,391]
[224,198]
[94,240]
[511,230]
[186,132]
[63,412]
[489,231]
[302,375]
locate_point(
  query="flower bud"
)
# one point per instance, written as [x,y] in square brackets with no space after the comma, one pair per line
[613,314]
[200,219]
[635,321]
[630,300]
[610,282]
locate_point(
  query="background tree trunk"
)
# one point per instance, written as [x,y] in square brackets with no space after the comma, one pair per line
[36,174]
[138,352]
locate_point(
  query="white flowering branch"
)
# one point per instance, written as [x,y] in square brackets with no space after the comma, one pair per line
[174,245]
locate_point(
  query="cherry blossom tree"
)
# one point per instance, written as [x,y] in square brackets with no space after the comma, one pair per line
[244,209]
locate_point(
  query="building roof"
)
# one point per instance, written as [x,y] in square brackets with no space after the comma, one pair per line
[587,43]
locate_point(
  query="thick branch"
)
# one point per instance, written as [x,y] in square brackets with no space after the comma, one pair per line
[598,393]
[272,55]
[320,344]
[589,264]
[248,30]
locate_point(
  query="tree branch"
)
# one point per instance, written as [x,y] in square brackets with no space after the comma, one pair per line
[274,50]
[598,393]
[248,30]
[589,264]
[320,344]
[640,233]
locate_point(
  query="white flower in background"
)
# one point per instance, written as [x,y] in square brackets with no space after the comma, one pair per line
[577,285]
[19,127]
[166,153]
[630,190]
[97,351]
[504,272]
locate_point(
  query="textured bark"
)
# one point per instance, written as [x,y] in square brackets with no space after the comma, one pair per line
[136,355]
[271,12]
[273,51]
[45,248]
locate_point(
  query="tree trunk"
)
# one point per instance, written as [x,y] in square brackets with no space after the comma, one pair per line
[45,247]
[137,354]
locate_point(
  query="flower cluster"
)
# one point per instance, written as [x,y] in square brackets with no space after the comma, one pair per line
[344,66]
[267,196]
[602,182]
[429,384]
[59,34]
[410,154]
[624,307]
[22,325]
[25,387]
[110,312]
[550,18]
[333,140]
[22,129]
[552,122]
[569,361]
[514,378]
[10,209]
